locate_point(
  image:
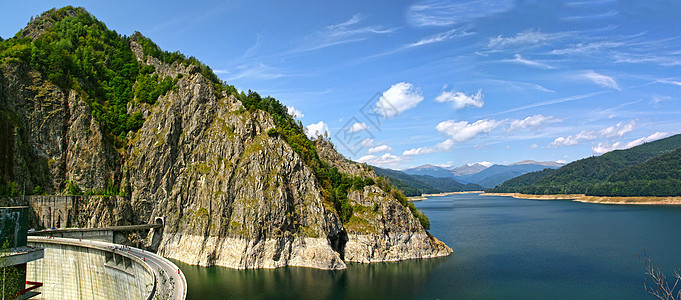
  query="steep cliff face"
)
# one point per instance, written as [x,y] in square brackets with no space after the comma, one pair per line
[381,228]
[231,190]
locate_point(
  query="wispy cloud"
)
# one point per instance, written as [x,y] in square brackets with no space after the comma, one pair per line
[444,13]
[462,100]
[518,59]
[548,102]
[342,33]
[600,79]
[525,38]
[586,48]
[441,37]
[669,81]
[256,71]
[610,13]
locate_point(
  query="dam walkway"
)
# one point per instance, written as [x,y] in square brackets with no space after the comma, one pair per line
[169,281]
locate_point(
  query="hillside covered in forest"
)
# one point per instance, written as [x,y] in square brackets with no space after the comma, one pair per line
[416,185]
[650,169]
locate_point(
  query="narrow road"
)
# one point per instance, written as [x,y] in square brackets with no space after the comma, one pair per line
[170,281]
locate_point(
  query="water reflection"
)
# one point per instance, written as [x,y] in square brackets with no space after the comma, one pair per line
[380,280]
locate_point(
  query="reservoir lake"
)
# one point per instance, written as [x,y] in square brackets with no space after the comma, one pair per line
[504,248]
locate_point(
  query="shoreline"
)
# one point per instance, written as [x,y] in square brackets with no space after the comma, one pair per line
[426,196]
[595,199]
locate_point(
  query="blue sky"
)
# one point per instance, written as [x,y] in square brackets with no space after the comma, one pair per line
[405,83]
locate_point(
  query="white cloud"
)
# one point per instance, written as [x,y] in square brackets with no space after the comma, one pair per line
[463,131]
[367,142]
[357,127]
[294,112]
[381,148]
[584,135]
[397,99]
[534,146]
[441,37]
[520,60]
[600,79]
[317,129]
[385,160]
[528,37]
[561,161]
[618,130]
[444,13]
[536,121]
[461,100]
[439,147]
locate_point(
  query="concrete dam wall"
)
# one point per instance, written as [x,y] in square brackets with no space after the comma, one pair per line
[78,270]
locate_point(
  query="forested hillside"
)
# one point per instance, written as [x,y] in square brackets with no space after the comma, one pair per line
[608,174]
[416,185]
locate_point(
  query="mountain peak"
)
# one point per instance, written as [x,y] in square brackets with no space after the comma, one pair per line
[38,26]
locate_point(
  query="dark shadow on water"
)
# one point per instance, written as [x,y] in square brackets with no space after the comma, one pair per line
[392,280]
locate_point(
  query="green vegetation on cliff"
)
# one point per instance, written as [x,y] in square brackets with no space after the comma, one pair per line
[78,52]
[651,169]
[73,50]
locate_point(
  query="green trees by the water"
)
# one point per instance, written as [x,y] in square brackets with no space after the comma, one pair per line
[651,169]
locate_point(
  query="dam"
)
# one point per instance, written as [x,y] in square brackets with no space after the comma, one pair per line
[85,269]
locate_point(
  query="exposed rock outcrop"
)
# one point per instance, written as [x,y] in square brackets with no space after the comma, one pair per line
[230,193]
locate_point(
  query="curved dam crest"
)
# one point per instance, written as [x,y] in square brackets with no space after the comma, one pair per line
[83,269]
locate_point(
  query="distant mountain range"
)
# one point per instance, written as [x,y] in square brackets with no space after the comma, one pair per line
[651,169]
[485,176]
[416,185]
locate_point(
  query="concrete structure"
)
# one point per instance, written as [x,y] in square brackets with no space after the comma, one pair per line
[16,254]
[55,211]
[112,234]
[83,269]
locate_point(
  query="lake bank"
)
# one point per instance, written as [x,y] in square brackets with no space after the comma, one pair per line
[426,196]
[594,199]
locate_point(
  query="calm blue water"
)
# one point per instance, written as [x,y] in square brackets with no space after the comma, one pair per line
[504,248]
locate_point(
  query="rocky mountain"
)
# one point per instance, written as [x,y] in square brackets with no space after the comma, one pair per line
[429,170]
[485,176]
[84,110]
[467,169]
[497,174]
